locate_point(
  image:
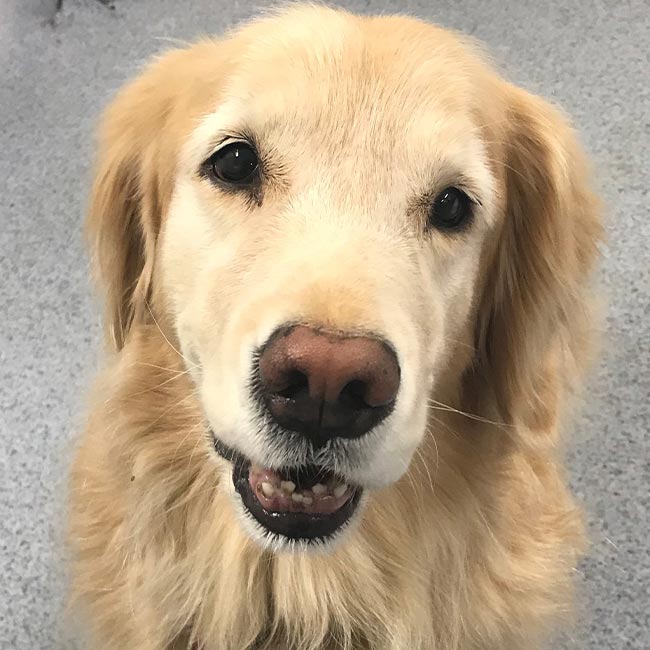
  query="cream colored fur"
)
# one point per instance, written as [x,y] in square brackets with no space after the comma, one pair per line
[469,536]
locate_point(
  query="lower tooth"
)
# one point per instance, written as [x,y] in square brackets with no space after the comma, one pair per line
[267,489]
[307,501]
[298,498]
[288,486]
[319,489]
[340,490]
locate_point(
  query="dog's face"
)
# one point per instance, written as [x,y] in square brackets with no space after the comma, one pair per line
[322,252]
[328,221]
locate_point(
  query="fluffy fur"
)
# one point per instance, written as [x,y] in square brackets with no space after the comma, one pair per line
[472,540]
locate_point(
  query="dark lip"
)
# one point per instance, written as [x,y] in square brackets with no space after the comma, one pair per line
[291,525]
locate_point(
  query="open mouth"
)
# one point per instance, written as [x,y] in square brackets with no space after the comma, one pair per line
[307,503]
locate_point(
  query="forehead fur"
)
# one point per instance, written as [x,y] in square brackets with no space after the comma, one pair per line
[358,67]
[330,44]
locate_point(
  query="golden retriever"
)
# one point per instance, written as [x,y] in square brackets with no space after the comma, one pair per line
[346,270]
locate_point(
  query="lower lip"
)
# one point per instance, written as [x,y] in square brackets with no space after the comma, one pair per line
[295,525]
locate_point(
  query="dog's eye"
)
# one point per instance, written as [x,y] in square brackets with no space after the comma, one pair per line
[451,209]
[235,164]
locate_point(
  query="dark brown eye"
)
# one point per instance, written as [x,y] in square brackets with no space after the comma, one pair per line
[235,164]
[451,210]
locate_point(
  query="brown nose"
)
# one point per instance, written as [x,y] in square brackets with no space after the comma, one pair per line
[326,385]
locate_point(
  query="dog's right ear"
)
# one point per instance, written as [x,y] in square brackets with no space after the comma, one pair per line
[124,212]
[139,141]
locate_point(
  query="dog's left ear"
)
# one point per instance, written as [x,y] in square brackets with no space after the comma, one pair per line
[536,305]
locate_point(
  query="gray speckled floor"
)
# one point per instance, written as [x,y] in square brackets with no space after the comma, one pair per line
[593,57]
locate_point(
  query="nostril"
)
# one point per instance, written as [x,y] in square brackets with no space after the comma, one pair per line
[295,383]
[353,395]
[324,385]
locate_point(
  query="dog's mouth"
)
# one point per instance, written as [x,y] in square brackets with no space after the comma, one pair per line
[307,503]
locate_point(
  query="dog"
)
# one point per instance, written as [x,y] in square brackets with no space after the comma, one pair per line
[346,270]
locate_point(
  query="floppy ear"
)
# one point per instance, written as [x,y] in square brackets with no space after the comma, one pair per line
[139,141]
[535,317]
[126,203]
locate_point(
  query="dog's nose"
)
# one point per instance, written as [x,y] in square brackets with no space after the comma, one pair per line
[326,385]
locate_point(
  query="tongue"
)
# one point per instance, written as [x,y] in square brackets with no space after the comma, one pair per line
[279,493]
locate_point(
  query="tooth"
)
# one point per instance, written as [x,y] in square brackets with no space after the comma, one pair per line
[297,497]
[288,486]
[307,501]
[319,489]
[268,489]
[340,490]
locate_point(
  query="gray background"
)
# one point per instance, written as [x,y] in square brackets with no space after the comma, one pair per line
[592,57]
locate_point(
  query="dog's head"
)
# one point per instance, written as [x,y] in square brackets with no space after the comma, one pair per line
[342,222]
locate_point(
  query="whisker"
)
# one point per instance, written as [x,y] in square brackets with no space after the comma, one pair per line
[168,409]
[426,467]
[146,302]
[185,437]
[414,487]
[441,406]
[200,439]
[446,425]
[153,365]
[160,385]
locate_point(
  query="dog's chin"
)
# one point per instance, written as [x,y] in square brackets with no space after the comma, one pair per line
[293,508]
